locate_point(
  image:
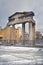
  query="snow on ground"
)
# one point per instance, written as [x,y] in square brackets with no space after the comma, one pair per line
[20,48]
[10,55]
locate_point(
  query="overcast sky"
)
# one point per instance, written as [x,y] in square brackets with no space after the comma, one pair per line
[8,7]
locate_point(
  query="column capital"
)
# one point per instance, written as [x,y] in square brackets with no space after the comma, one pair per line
[33,24]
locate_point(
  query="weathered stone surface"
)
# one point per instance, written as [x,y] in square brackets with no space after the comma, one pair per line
[23,17]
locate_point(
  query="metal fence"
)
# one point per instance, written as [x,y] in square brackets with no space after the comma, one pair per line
[27,43]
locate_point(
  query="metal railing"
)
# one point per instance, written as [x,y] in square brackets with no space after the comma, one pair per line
[27,43]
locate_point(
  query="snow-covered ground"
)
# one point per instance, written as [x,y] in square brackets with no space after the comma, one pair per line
[10,55]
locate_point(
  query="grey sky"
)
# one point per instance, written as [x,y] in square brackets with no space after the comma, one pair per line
[8,7]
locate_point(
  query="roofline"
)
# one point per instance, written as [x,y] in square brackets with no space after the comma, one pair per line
[30,12]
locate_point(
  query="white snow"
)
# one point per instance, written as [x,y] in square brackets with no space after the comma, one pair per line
[20,55]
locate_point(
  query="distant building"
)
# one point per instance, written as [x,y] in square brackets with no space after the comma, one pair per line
[20,32]
[6,33]
[26,36]
[38,34]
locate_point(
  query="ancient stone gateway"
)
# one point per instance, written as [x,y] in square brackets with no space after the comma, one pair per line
[22,18]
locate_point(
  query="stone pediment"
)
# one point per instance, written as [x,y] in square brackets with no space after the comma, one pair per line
[21,17]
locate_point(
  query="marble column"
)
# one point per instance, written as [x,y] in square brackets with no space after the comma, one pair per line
[8,34]
[13,27]
[33,31]
[31,34]
[23,33]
